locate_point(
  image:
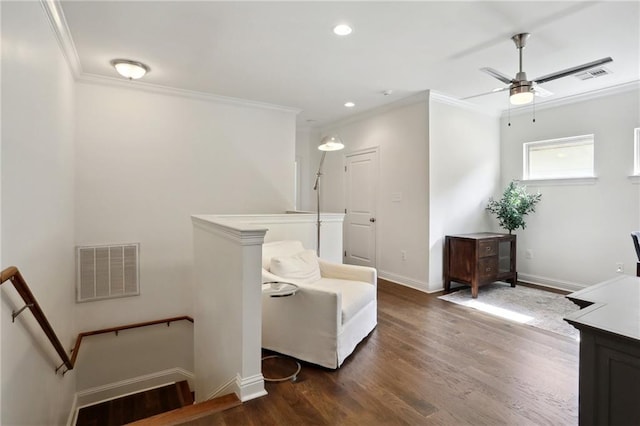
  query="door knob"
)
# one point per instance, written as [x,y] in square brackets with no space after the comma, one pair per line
[373,219]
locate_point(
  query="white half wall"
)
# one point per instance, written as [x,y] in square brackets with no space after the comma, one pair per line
[579,232]
[301,227]
[147,161]
[37,214]
[464,171]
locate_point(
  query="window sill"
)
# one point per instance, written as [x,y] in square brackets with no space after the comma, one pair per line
[591,180]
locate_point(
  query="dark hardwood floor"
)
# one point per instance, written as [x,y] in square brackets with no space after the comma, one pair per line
[136,406]
[429,362]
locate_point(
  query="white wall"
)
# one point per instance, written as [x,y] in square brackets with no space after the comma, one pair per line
[152,354]
[147,161]
[307,140]
[464,171]
[37,213]
[445,161]
[579,232]
[401,133]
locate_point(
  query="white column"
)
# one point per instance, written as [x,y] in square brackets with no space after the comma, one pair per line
[228,308]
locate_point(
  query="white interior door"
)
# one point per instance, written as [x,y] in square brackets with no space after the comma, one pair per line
[360,229]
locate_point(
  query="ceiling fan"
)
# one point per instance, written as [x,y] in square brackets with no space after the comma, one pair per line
[522,90]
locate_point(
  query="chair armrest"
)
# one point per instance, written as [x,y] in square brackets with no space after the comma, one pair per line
[348,272]
[268,277]
[311,307]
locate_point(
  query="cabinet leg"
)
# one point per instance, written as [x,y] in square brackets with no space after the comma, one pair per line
[447,285]
[474,291]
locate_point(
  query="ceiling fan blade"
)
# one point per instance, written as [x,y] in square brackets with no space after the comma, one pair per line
[497,74]
[500,89]
[573,70]
[541,91]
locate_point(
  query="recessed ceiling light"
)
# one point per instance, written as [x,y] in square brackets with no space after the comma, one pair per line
[342,30]
[132,70]
[349,104]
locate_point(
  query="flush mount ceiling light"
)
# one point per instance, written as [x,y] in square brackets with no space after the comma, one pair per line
[342,30]
[132,70]
[349,104]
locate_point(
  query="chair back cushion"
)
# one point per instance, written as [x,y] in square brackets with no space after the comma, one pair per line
[302,267]
[279,248]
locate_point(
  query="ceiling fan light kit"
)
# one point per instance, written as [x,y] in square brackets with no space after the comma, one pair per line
[521,94]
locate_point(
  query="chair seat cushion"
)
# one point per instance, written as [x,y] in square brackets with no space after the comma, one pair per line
[355,295]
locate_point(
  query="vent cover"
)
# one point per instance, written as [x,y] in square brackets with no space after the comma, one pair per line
[593,73]
[105,272]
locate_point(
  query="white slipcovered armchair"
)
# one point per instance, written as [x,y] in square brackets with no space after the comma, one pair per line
[333,310]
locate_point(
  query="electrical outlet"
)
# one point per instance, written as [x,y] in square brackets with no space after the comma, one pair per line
[620,268]
[528,254]
[403,254]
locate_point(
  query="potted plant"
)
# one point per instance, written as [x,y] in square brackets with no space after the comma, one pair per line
[514,205]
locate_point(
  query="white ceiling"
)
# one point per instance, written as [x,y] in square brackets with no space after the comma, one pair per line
[285,53]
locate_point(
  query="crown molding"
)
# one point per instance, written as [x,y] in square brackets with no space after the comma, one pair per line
[58,23]
[420,97]
[580,97]
[172,91]
[61,31]
[446,99]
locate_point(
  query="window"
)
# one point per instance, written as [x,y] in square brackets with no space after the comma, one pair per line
[636,152]
[563,158]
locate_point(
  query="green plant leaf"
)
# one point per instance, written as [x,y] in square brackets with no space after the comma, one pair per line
[514,205]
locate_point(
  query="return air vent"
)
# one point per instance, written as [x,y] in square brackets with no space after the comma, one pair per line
[593,73]
[105,272]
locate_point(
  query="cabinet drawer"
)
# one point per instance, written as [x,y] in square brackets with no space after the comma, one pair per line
[487,268]
[487,248]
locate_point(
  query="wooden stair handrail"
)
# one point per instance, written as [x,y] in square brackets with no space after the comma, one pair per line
[13,274]
[116,329]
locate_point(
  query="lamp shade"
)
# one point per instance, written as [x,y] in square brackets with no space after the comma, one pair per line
[132,70]
[331,143]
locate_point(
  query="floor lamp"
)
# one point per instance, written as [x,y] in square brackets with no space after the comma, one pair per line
[328,143]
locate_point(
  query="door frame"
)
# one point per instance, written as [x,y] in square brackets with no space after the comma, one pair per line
[371,150]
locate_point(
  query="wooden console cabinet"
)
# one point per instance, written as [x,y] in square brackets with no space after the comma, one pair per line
[478,259]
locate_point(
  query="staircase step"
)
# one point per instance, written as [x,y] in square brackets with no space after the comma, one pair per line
[191,412]
[184,393]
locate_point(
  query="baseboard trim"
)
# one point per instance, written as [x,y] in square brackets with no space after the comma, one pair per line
[402,280]
[73,414]
[245,388]
[110,391]
[225,388]
[250,387]
[550,282]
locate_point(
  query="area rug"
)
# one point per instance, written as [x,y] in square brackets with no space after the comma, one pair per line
[526,305]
